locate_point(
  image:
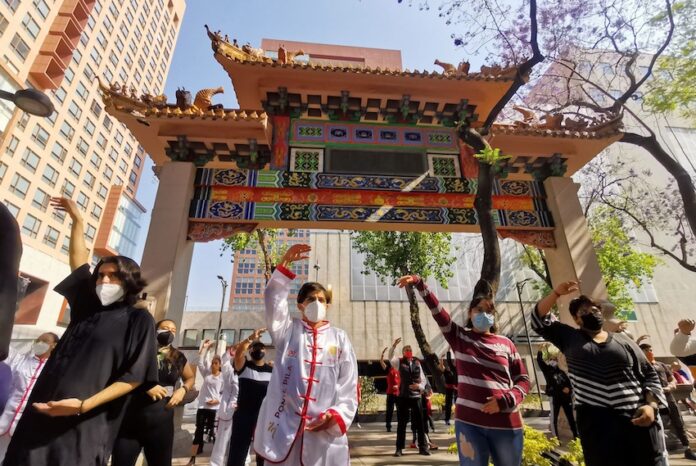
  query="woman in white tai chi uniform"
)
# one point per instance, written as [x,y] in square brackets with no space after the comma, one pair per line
[313,393]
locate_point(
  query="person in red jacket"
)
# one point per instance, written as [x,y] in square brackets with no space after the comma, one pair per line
[393,382]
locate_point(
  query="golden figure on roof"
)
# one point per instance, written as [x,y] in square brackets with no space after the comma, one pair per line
[203,98]
[449,69]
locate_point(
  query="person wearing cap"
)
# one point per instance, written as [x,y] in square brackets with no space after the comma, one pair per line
[313,394]
[492,380]
[253,376]
[617,391]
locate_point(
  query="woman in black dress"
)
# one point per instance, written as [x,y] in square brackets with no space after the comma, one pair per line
[108,349]
[149,419]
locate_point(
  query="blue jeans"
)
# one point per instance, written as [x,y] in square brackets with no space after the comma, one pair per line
[476,445]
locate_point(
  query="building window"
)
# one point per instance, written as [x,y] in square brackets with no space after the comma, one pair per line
[30,160]
[107,123]
[21,49]
[108,75]
[40,200]
[30,26]
[74,110]
[123,166]
[14,210]
[113,59]
[50,175]
[3,170]
[69,75]
[12,146]
[82,200]
[42,8]
[95,160]
[103,191]
[133,177]
[39,135]
[209,334]
[89,180]
[96,56]
[83,147]
[60,94]
[82,91]
[75,167]
[65,247]
[58,152]
[84,38]
[96,212]
[31,226]
[67,131]
[95,108]
[90,231]
[190,338]
[101,39]
[108,25]
[68,188]
[108,173]
[51,236]
[12,4]
[101,141]
[119,138]
[89,127]
[19,186]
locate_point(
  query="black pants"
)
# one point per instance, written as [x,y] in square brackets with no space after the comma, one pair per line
[409,409]
[146,426]
[391,402]
[450,396]
[609,438]
[205,422]
[243,425]
[676,421]
[564,402]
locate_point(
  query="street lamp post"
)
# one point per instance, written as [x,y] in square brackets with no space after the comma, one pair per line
[520,286]
[222,306]
[30,100]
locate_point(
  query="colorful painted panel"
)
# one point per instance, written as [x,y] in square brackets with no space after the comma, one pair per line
[306,160]
[328,132]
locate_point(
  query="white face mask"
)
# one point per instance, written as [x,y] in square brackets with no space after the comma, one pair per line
[40,347]
[315,311]
[109,293]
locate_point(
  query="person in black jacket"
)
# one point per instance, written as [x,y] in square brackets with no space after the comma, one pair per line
[559,390]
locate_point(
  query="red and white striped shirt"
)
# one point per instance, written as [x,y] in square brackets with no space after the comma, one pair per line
[488,365]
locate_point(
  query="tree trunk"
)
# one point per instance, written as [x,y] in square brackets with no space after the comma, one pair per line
[267,265]
[684,182]
[431,359]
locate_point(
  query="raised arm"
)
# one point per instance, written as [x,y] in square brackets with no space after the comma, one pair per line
[394,360]
[381,359]
[683,343]
[448,327]
[203,364]
[276,294]
[544,306]
[243,346]
[78,252]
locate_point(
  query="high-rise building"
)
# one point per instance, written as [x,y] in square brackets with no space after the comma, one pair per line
[64,48]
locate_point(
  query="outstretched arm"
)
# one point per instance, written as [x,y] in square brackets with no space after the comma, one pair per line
[448,327]
[78,252]
[203,364]
[381,359]
[243,346]
[683,343]
[394,361]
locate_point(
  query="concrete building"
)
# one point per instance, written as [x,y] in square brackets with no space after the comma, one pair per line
[64,47]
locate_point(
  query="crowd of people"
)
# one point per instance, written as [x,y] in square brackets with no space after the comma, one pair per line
[106,390]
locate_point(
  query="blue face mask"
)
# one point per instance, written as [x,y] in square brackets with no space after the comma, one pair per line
[483,321]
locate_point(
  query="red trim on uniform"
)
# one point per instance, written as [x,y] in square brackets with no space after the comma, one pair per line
[26,393]
[285,271]
[339,420]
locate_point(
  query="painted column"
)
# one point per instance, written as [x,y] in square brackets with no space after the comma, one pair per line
[574,257]
[167,255]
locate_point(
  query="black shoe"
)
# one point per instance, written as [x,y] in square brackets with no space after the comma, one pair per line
[689,454]
[388,428]
[424,452]
[398,452]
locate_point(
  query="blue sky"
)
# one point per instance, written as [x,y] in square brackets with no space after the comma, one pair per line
[420,35]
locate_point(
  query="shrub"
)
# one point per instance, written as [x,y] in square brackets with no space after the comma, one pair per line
[368,395]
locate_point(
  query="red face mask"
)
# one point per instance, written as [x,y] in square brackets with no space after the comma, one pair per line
[408,354]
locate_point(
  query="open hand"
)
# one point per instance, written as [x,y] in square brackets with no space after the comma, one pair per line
[396,342]
[323,422]
[295,253]
[66,407]
[177,397]
[257,333]
[66,205]
[157,392]
[567,287]
[490,406]
[407,280]
[686,326]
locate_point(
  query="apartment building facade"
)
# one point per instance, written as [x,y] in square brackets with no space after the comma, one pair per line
[64,48]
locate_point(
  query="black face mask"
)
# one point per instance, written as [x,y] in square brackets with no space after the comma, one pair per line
[164,337]
[257,355]
[592,322]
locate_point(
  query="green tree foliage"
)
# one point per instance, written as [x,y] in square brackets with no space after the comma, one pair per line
[369,401]
[621,263]
[392,254]
[264,241]
[673,88]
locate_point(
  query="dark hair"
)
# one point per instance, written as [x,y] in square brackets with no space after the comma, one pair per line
[53,335]
[579,302]
[311,287]
[645,346]
[475,302]
[128,273]
[216,358]
[258,344]
[173,353]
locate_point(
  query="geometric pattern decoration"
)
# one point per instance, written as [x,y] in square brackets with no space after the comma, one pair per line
[306,159]
[444,166]
[251,155]
[239,196]
[207,231]
[542,239]
[328,132]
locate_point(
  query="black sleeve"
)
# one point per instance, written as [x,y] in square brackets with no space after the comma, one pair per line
[139,363]
[550,329]
[78,290]
[246,363]
[181,363]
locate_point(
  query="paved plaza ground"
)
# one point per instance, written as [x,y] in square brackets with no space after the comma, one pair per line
[372,445]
